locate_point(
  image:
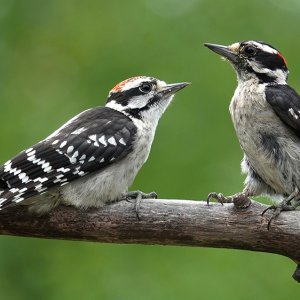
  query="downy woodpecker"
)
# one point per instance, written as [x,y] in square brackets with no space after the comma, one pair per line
[266,116]
[94,157]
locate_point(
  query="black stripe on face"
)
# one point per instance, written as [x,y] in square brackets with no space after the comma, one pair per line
[263,78]
[136,112]
[271,61]
[123,97]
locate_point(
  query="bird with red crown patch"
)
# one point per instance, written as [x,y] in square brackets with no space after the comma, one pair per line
[266,115]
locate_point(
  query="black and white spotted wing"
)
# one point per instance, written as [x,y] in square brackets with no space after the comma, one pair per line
[286,103]
[88,142]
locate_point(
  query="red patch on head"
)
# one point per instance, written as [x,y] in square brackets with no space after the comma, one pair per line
[280,55]
[120,85]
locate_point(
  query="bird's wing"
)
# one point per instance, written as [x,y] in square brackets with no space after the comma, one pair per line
[88,142]
[286,103]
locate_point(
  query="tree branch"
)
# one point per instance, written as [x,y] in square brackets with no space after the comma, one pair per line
[165,222]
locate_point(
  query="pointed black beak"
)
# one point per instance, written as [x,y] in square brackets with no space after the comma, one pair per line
[173,88]
[224,51]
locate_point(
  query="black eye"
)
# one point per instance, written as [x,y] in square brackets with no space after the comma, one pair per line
[146,87]
[249,50]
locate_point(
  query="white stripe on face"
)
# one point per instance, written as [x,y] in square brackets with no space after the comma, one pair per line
[264,48]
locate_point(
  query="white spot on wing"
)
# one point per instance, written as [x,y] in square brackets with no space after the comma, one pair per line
[64,143]
[112,141]
[18,199]
[75,154]
[79,130]
[121,141]
[83,157]
[73,160]
[102,140]
[70,149]
[46,167]
[30,153]
[40,179]
[8,168]
[23,177]
[93,137]
[55,142]
[293,114]
[64,170]
[58,178]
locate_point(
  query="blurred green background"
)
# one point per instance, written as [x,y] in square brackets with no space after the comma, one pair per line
[58,58]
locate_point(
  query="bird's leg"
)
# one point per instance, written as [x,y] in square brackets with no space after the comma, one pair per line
[137,196]
[284,205]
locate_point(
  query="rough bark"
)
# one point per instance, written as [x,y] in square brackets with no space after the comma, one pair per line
[166,222]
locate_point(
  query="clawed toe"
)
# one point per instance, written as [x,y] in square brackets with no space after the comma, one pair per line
[285,205]
[271,207]
[137,197]
[219,197]
[216,196]
[151,195]
[133,195]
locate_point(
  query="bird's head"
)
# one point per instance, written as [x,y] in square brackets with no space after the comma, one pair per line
[254,60]
[143,97]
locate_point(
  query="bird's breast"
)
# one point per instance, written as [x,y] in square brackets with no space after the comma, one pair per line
[109,184]
[263,137]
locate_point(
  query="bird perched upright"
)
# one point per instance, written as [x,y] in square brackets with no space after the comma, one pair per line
[94,157]
[266,116]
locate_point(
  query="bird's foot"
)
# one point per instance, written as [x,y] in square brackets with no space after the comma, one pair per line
[240,200]
[133,195]
[137,197]
[284,205]
[219,197]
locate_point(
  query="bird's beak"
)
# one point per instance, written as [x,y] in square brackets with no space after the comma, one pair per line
[224,51]
[173,88]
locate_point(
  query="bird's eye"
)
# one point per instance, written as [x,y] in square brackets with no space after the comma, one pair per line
[146,87]
[249,50]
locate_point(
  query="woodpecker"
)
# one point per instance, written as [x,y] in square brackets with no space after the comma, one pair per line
[94,157]
[265,112]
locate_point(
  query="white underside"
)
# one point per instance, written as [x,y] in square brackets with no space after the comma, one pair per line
[252,116]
